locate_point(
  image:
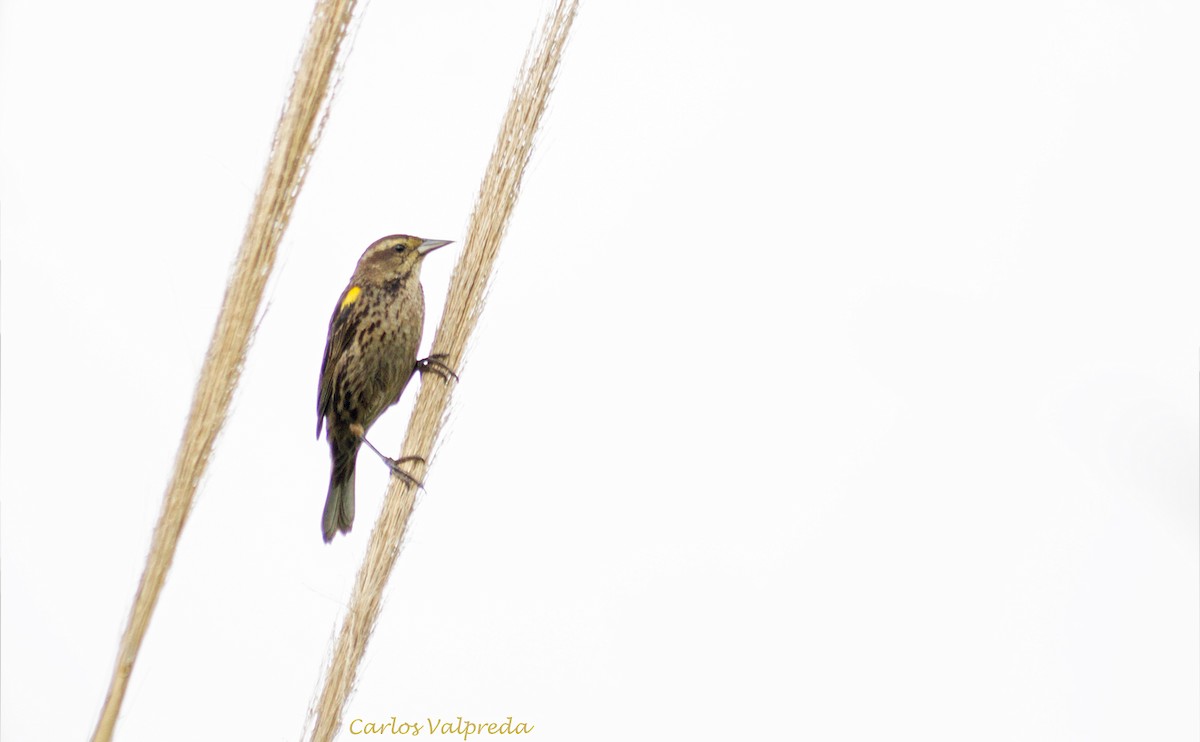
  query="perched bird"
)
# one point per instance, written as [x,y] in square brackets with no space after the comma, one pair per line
[370,355]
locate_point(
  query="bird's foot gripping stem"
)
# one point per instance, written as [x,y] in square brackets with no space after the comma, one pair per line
[437,364]
[393,464]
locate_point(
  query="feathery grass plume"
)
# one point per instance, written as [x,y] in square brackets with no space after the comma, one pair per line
[464,302]
[296,137]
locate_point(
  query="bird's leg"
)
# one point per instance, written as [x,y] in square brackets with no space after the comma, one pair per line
[393,464]
[438,366]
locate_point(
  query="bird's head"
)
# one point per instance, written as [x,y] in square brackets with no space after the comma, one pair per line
[396,255]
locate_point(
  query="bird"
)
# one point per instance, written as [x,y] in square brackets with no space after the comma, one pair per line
[370,356]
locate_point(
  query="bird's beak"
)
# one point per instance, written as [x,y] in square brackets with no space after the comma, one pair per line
[429,246]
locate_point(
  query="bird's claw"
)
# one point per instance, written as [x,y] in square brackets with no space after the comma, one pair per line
[394,465]
[435,364]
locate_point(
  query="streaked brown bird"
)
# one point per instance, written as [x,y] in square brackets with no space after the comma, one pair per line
[370,355]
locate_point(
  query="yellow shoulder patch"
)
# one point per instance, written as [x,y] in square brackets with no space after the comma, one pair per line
[351,296]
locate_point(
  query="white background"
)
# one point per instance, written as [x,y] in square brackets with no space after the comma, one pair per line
[839,381]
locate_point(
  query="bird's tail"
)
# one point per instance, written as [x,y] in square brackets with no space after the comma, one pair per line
[339,504]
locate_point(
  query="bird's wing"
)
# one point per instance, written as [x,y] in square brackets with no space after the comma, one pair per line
[341,331]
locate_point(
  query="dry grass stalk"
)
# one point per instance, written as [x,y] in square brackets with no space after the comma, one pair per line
[296,138]
[464,302]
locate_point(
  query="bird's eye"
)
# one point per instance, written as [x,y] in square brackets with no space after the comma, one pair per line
[400,248]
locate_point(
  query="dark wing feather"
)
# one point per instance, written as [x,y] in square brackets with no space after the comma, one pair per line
[341,332]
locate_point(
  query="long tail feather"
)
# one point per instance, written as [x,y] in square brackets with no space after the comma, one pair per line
[339,504]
